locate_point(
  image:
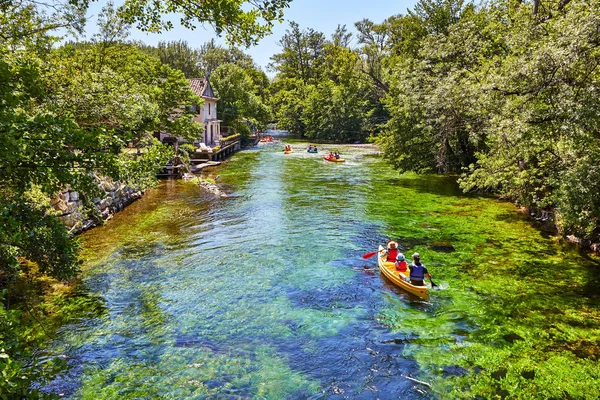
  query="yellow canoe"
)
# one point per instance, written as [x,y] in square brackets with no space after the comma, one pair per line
[389,270]
[288,151]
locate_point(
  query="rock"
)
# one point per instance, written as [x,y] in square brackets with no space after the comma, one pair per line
[61,206]
[212,188]
[72,220]
[117,196]
[105,203]
[105,214]
[106,186]
[87,224]
[68,208]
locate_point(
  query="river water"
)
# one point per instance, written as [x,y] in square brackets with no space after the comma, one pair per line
[264,294]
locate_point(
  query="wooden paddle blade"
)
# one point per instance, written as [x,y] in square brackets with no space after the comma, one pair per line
[369,255]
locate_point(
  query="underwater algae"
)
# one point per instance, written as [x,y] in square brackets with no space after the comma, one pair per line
[509,324]
[265,295]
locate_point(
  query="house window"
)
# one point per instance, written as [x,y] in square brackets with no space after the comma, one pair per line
[209,110]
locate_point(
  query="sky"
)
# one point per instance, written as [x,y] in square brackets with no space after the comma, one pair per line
[321,15]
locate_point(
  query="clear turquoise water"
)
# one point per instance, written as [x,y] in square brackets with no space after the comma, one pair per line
[264,294]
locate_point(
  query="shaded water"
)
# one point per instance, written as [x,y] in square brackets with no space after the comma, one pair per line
[264,294]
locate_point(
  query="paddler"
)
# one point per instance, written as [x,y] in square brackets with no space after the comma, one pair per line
[392,251]
[418,272]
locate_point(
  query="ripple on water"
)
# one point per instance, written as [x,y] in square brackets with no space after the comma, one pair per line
[265,294]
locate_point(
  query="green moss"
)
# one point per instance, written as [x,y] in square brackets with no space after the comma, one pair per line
[214,297]
[515,316]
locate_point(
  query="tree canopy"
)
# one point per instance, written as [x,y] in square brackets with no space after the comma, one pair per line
[319,91]
[503,93]
[67,110]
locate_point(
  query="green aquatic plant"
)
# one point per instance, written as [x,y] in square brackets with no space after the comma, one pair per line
[265,295]
[517,312]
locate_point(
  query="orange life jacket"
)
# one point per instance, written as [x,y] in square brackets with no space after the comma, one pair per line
[392,254]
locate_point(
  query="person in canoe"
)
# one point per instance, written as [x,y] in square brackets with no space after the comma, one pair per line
[392,251]
[337,155]
[331,156]
[310,147]
[401,264]
[418,272]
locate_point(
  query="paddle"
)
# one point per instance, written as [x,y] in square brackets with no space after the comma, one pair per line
[433,284]
[369,255]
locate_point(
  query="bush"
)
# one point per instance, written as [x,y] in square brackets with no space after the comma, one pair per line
[19,367]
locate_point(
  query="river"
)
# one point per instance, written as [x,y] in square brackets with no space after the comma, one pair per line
[264,294]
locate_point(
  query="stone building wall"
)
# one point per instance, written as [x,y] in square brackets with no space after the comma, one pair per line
[70,204]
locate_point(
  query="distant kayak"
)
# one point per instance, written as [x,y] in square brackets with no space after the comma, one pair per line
[333,159]
[312,151]
[288,151]
[399,278]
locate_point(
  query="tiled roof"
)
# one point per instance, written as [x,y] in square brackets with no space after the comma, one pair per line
[201,87]
[198,85]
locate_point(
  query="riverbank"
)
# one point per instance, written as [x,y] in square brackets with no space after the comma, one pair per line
[519,309]
[70,204]
[543,219]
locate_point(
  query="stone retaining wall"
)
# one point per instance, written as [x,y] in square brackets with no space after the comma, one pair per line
[116,197]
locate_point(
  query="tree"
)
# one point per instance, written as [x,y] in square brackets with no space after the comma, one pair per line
[437,16]
[179,55]
[237,94]
[341,37]
[243,22]
[301,54]
[288,100]
[334,112]
[542,137]
[65,115]
[212,56]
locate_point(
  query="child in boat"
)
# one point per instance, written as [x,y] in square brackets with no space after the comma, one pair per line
[401,264]
[392,251]
[418,272]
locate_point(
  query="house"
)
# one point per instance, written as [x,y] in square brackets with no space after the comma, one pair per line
[207,113]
